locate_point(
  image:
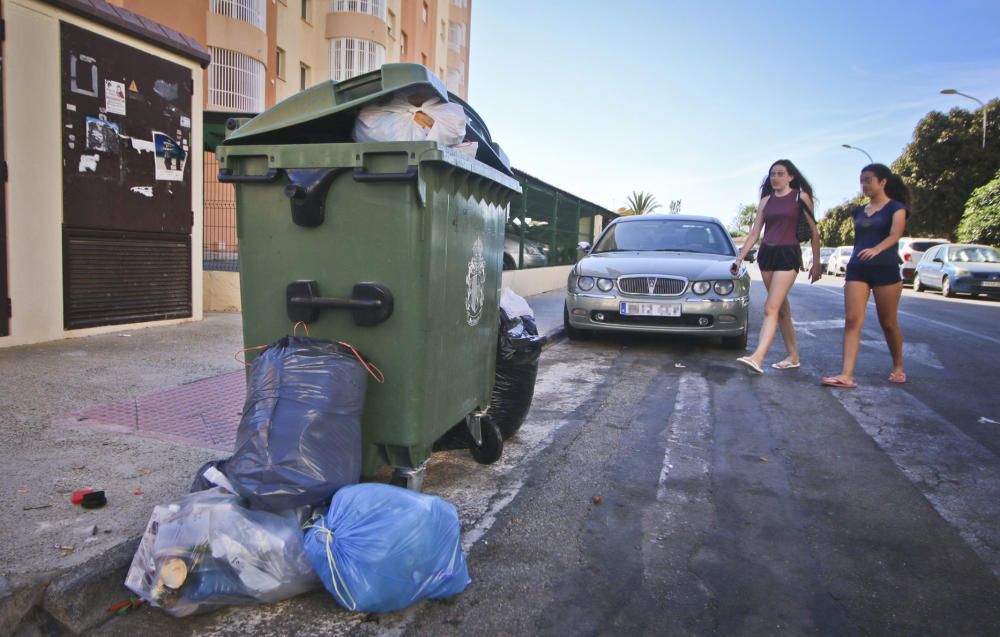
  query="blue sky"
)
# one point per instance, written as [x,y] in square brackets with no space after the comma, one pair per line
[695,100]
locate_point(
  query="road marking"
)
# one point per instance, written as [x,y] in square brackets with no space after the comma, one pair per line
[983,420]
[913,353]
[806,327]
[924,318]
[957,475]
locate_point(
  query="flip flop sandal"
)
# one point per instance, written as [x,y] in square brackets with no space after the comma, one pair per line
[899,378]
[836,382]
[784,365]
[749,362]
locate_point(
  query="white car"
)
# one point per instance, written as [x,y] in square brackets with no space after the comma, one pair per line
[837,265]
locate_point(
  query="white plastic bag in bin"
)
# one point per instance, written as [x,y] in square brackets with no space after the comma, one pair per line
[401,121]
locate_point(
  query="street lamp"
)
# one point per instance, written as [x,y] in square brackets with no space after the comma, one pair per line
[860,150]
[951,91]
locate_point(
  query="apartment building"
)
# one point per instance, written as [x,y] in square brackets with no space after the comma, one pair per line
[264,51]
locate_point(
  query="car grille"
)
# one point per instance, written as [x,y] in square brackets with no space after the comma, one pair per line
[687,320]
[640,285]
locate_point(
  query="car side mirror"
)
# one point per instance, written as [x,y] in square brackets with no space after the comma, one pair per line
[583,246]
[937,260]
[751,256]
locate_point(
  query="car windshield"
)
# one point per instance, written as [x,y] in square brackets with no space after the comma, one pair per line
[974,254]
[825,252]
[666,235]
[924,246]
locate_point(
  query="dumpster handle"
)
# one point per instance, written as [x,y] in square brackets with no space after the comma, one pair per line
[361,175]
[370,303]
[306,192]
[226,176]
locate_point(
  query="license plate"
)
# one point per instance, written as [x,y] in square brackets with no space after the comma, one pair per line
[650,309]
[991,284]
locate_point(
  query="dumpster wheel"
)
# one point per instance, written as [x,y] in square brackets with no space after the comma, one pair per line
[492,446]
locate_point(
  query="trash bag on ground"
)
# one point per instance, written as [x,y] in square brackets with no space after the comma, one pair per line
[380,548]
[206,478]
[300,436]
[518,349]
[412,119]
[208,550]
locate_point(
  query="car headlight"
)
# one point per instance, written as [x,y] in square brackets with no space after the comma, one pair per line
[605,285]
[585,283]
[962,272]
[723,287]
[701,287]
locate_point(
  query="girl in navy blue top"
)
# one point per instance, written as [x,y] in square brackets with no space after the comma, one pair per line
[874,269]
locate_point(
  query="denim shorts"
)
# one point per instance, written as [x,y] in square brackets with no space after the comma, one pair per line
[874,274]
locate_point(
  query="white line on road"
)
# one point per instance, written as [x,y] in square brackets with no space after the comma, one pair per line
[983,420]
[957,475]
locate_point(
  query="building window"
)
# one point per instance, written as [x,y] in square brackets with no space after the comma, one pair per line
[352,56]
[456,36]
[303,76]
[279,63]
[253,12]
[424,12]
[423,59]
[367,7]
[235,81]
[402,42]
[461,4]
[456,78]
[391,22]
[307,10]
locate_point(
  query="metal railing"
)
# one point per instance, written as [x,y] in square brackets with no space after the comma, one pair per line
[220,248]
[368,7]
[235,81]
[253,12]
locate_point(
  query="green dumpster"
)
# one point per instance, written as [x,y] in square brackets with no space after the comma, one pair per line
[395,248]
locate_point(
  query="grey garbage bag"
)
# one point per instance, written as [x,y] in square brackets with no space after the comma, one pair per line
[208,550]
[300,436]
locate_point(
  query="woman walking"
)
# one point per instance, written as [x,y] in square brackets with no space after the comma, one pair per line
[780,257]
[874,269]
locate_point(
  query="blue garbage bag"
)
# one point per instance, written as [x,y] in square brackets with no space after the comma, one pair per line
[381,548]
[300,436]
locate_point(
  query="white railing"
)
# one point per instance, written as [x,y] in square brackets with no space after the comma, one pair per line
[456,36]
[253,12]
[353,56]
[456,78]
[367,7]
[235,81]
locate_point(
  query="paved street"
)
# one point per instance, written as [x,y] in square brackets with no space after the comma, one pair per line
[729,504]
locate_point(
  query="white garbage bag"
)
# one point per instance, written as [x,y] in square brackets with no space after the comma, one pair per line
[399,120]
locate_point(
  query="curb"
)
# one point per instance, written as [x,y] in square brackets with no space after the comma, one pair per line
[555,336]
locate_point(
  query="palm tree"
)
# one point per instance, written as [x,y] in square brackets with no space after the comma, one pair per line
[641,203]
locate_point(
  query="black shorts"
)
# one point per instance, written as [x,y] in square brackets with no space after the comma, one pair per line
[773,258]
[874,274]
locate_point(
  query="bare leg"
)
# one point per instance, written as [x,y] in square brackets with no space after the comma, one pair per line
[855,302]
[887,303]
[788,332]
[778,283]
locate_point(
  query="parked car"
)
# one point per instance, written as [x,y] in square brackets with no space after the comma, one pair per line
[535,253]
[824,257]
[660,273]
[837,265]
[959,268]
[911,250]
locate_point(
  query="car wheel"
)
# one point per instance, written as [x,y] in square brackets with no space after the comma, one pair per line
[946,288]
[573,333]
[917,285]
[508,262]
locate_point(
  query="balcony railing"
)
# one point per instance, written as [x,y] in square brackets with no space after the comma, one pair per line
[235,81]
[353,56]
[367,7]
[253,12]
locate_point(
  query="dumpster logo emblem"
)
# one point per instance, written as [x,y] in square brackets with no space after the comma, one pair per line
[475,284]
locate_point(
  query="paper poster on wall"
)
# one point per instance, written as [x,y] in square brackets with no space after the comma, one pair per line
[170,158]
[114,97]
[102,136]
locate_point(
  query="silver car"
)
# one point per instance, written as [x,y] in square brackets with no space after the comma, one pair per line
[660,273]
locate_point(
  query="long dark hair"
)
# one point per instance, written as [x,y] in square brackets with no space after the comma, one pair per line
[798,182]
[895,187]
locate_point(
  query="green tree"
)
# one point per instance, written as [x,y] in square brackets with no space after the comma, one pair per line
[836,228]
[944,163]
[981,221]
[745,214]
[641,203]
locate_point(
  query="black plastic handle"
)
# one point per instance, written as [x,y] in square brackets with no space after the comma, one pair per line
[361,175]
[306,192]
[370,303]
[226,176]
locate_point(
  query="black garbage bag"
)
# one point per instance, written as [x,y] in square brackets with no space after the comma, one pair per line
[300,436]
[518,349]
[201,481]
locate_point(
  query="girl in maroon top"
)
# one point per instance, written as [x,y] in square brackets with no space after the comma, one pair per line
[779,258]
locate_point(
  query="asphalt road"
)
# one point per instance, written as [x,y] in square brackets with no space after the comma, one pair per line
[730,504]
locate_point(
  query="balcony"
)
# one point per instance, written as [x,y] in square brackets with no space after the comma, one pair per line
[253,12]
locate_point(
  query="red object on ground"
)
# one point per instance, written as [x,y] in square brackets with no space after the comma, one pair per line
[79,493]
[138,491]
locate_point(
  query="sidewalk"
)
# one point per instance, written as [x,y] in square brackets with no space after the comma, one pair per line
[133,413]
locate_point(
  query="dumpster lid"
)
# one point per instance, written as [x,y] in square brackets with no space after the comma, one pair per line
[325,113]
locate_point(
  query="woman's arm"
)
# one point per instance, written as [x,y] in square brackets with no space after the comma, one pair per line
[895,234]
[814,269]
[751,239]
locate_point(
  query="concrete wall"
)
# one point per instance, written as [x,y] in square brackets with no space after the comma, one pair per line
[222,289]
[32,96]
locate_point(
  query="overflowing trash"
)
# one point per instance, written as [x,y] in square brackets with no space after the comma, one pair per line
[208,550]
[300,436]
[518,349]
[411,119]
[380,548]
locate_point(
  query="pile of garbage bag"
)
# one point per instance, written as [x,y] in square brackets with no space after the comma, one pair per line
[518,349]
[412,118]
